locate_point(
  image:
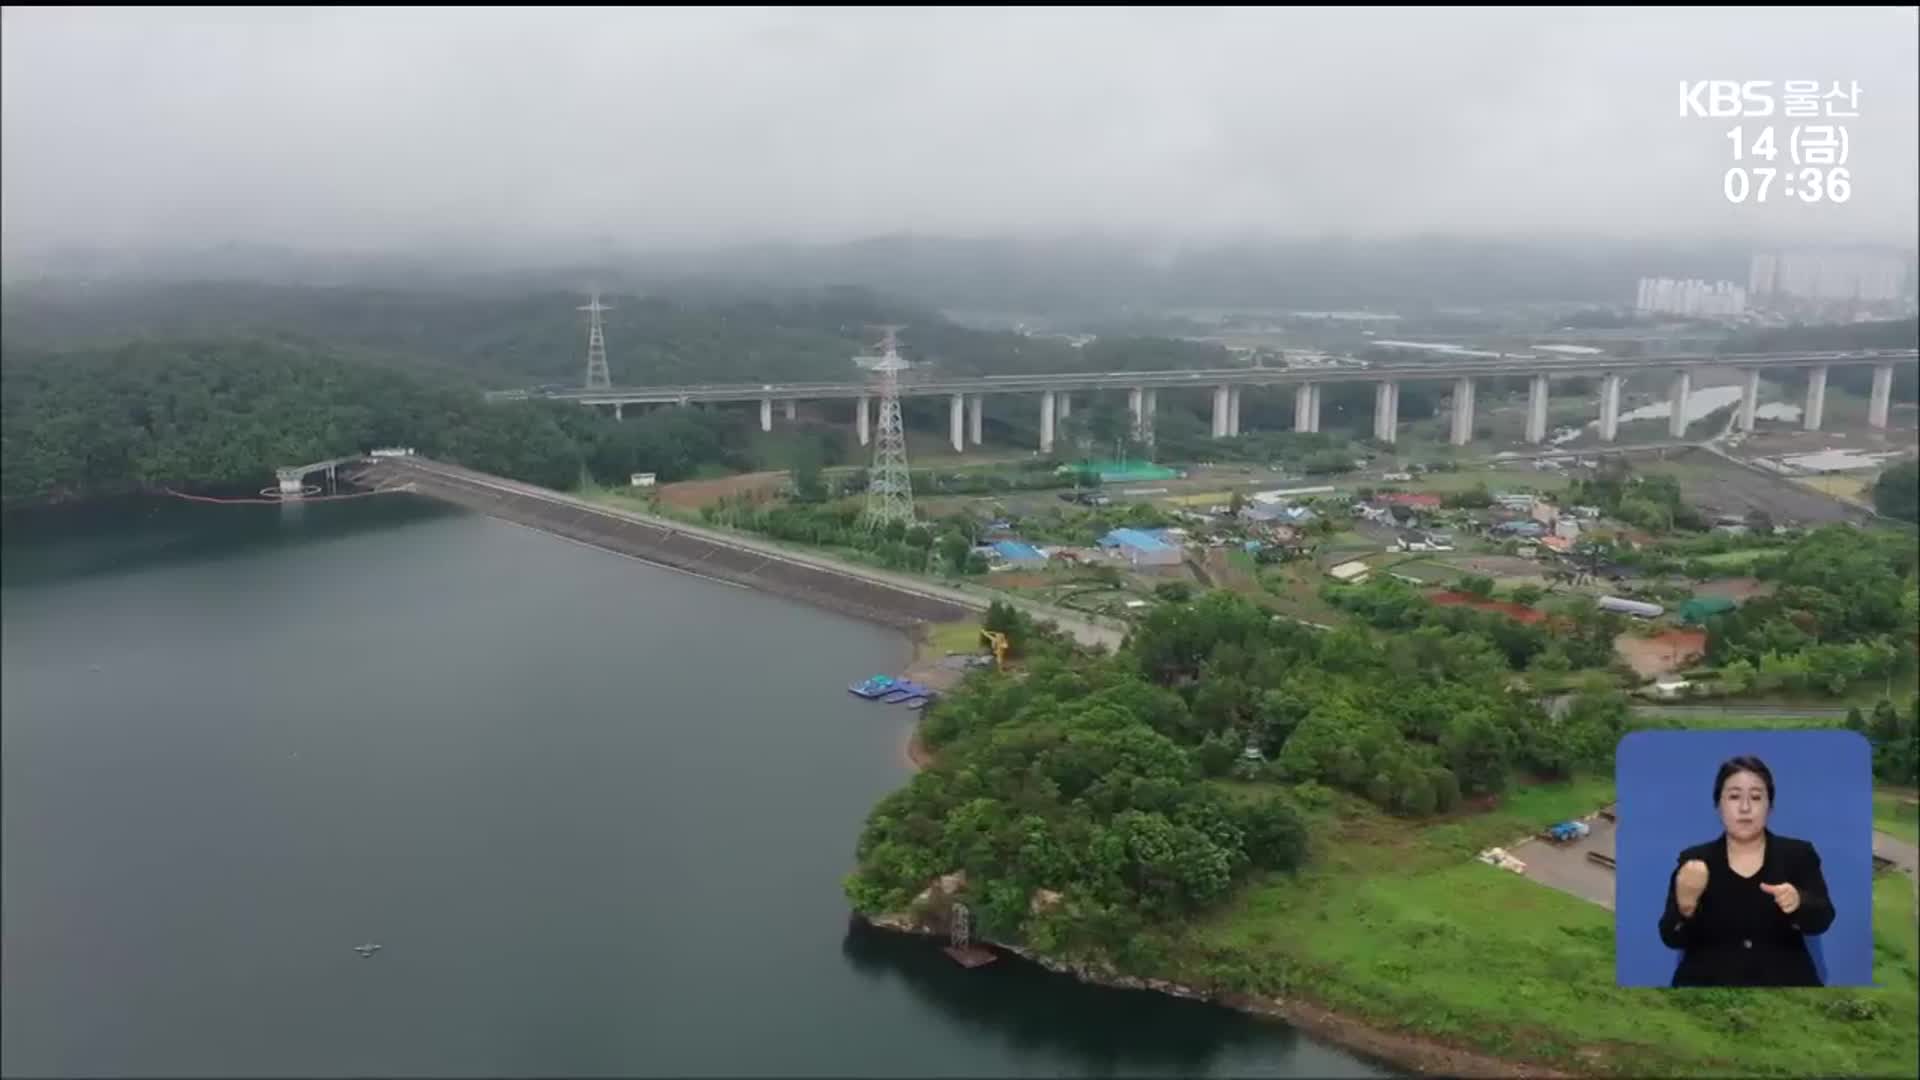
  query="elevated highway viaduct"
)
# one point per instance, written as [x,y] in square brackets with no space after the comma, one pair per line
[1055,391]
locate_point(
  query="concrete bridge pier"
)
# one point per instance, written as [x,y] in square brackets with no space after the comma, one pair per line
[1150,403]
[618,412]
[1046,421]
[1233,410]
[1882,397]
[1386,406]
[1677,404]
[1537,410]
[792,410]
[1749,399]
[1816,398]
[766,414]
[1137,409]
[1063,408]
[957,422]
[975,406]
[1609,407]
[1220,406]
[1462,411]
[1306,407]
[862,419]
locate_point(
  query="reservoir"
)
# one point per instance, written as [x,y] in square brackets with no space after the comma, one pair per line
[596,813]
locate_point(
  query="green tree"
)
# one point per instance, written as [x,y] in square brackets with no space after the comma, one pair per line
[1216,755]
[1475,585]
[954,550]
[1478,752]
[1276,836]
[807,485]
[1897,492]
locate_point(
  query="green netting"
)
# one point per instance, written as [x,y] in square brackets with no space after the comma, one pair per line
[1128,471]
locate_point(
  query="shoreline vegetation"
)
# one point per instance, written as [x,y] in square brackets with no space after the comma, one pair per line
[1397,1048]
[1386,936]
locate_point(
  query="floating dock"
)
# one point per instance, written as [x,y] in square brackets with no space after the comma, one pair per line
[877,686]
[891,691]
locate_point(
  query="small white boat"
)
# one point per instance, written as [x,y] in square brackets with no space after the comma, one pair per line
[366,950]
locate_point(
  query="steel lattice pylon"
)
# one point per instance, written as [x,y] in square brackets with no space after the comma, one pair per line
[597,376]
[889,486]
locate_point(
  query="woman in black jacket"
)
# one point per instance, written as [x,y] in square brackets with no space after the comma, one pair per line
[1741,906]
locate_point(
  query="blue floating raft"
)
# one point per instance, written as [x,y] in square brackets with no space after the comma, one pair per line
[878,686]
[891,691]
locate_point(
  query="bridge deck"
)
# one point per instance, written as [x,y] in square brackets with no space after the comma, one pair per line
[1439,369]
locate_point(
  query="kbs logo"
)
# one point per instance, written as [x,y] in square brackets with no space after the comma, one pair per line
[1726,97]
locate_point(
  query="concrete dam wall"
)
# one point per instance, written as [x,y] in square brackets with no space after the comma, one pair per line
[667,544]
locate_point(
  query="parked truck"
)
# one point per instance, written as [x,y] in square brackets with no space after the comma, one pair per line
[1567,832]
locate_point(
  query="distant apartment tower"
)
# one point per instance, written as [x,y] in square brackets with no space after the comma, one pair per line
[1693,297]
[1816,275]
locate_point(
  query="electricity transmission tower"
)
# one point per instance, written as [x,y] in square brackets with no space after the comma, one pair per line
[597,377]
[889,488]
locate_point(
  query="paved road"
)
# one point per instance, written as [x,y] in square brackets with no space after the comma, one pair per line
[1567,868]
[1819,712]
[1901,854]
[1557,705]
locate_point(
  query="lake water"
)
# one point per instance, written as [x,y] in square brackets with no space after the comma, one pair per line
[596,812]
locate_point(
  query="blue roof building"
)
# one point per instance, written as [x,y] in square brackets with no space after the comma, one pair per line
[1015,551]
[1141,548]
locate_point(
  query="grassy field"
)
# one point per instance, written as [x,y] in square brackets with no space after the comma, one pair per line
[1852,486]
[1426,570]
[1896,814]
[1737,558]
[1397,924]
[1293,589]
[1467,479]
[955,637]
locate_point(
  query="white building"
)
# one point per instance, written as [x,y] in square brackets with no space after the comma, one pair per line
[1692,297]
[1815,275]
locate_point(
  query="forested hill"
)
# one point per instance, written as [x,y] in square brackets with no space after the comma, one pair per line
[508,338]
[221,415]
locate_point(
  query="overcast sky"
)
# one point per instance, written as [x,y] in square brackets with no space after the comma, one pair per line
[392,128]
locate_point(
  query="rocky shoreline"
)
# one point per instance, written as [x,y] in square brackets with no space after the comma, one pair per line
[1414,1053]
